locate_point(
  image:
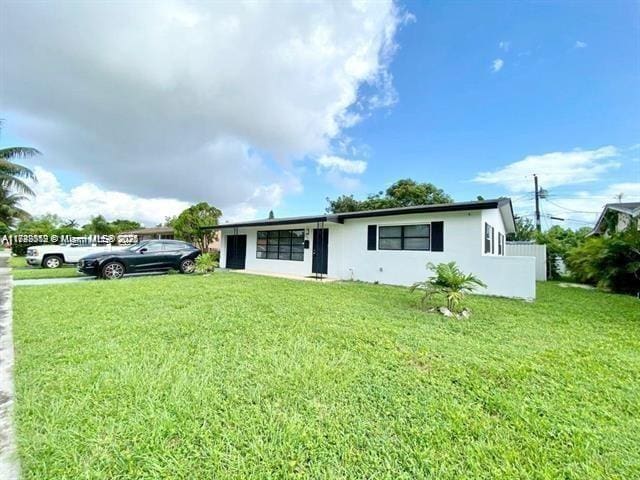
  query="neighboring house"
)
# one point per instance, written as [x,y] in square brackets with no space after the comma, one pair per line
[153,233]
[389,246]
[617,217]
[156,233]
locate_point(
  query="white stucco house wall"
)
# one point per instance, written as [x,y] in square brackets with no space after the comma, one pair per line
[390,246]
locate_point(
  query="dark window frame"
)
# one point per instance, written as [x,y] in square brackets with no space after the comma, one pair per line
[402,237]
[283,247]
[488,238]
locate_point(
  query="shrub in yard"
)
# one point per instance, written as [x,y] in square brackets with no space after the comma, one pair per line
[206,263]
[449,282]
[610,262]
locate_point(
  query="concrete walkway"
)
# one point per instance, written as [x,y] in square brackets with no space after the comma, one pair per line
[9,466]
[54,281]
[51,281]
[309,278]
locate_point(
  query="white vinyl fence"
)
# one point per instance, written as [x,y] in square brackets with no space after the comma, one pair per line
[530,249]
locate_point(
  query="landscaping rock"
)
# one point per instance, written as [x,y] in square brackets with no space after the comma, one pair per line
[445,311]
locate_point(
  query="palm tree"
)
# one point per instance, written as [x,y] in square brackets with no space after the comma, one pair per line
[9,209]
[449,281]
[12,175]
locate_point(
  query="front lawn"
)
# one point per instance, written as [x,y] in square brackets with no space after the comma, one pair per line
[22,271]
[238,376]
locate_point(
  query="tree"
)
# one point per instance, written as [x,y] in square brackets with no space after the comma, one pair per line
[611,262]
[13,188]
[121,225]
[12,174]
[525,230]
[403,193]
[407,192]
[344,204]
[10,211]
[271,215]
[559,241]
[188,225]
[71,223]
[98,225]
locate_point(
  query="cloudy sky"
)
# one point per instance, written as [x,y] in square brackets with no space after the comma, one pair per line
[142,108]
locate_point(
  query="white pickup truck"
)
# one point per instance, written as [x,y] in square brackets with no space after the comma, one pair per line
[54,256]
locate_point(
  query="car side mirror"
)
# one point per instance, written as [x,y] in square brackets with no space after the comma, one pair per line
[142,250]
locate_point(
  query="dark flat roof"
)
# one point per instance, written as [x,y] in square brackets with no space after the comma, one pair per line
[341,217]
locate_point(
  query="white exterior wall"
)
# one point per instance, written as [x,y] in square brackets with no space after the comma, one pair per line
[349,258]
[517,249]
[493,218]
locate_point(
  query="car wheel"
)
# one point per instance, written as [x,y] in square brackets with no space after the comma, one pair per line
[52,261]
[113,271]
[187,266]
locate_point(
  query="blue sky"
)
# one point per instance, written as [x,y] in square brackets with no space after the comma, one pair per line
[478,87]
[455,117]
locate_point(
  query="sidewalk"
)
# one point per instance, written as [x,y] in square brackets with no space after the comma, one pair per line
[9,467]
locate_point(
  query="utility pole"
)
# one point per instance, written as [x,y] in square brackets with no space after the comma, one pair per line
[535,182]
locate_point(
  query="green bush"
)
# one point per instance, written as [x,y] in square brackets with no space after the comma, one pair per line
[559,241]
[206,263]
[610,262]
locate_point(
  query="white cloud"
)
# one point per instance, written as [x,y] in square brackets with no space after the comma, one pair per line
[86,200]
[553,169]
[577,209]
[340,172]
[186,99]
[630,191]
[497,65]
[504,45]
[83,201]
[580,44]
[331,162]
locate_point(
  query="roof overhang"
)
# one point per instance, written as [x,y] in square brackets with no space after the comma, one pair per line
[502,204]
[266,223]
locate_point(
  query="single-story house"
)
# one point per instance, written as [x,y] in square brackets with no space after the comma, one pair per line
[390,246]
[152,233]
[166,233]
[617,217]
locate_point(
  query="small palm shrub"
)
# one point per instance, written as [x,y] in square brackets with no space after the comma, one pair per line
[206,263]
[449,282]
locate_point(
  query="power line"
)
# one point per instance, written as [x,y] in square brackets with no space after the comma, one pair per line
[568,209]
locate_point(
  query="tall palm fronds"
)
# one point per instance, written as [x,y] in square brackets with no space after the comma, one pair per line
[13,188]
[9,209]
[449,281]
[12,175]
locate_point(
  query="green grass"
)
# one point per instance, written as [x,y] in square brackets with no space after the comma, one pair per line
[22,271]
[238,376]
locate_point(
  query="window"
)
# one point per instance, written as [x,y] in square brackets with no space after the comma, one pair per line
[280,245]
[500,244]
[488,239]
[405,237]
[153,247]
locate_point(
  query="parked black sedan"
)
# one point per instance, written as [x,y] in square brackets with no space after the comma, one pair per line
[147,256]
